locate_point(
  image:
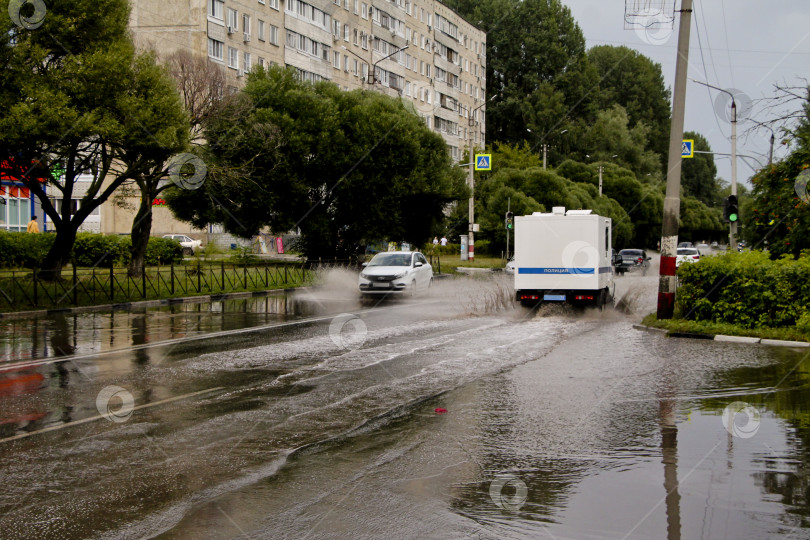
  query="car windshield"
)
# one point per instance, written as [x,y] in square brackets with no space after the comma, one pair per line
[687,251]
[391,259]
[631,252]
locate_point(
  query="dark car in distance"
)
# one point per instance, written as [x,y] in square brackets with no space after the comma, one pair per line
[633,260]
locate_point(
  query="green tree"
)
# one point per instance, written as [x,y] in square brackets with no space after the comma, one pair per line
[699,174]
[75,95]
[632,80]
[347,167]
[780,211]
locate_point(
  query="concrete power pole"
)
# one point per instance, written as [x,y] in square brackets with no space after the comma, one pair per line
[672,202]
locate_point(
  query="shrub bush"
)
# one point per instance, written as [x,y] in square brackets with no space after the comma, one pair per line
[29,250]
[162,251]
[23,249]
[100,250]
[746,289]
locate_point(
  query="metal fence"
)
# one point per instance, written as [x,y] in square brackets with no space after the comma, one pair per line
[24,289]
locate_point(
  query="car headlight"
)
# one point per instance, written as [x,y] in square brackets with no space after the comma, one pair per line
[364,275]
[401,275]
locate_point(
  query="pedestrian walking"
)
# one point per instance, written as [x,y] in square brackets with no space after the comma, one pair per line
[435,240]
[444,240]
[33,227]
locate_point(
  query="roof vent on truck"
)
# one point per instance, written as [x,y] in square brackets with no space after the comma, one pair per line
[558,210]
[578,212]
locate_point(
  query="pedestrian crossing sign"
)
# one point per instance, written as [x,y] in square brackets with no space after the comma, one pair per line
[483,162]
[688,148]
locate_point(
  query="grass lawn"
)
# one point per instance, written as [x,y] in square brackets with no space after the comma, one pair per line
[705,327]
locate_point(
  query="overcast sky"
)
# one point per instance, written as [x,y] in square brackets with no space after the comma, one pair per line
[748,45]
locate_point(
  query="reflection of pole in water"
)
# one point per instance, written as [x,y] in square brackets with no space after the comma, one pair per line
[60,339]
[139,337]
[669,451]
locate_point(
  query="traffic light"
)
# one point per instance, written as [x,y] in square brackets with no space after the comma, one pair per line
[731,212]
[510,220]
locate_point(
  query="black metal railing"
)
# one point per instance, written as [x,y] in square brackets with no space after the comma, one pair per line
[25,289]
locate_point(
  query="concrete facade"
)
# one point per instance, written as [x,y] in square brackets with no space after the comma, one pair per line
[418,50]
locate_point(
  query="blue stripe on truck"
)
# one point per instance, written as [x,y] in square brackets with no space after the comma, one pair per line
[588,271]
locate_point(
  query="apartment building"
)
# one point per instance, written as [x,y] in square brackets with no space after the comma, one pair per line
[418,50]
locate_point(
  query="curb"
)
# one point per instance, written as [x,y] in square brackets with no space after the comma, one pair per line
[149,303]
[721,337]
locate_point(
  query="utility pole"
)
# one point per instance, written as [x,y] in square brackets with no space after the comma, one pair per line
[672,202]
[545,153]
[733,229]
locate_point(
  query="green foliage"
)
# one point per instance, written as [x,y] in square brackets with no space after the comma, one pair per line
[345,167]
[23,250]
[745,289]
[630,79]
[161,251]
[243,256]
[89,250]
[699,174]
[75,94]
[100,250]
[777,215]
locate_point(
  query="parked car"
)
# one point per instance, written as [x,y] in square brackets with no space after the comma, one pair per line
[190,246]
[510,266]
[395,272]
[632,260]
[686,255]
[715,245]
[703,248]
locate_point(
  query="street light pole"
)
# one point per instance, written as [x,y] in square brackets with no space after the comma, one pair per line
[374,66]
[471,183]
[733,227]
[545,147]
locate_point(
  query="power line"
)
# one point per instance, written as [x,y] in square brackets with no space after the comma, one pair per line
[725,32]
[705,74]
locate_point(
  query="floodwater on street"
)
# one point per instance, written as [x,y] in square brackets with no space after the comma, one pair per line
[451,414]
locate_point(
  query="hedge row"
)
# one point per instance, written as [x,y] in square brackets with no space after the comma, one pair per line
[746,289]
[29,250]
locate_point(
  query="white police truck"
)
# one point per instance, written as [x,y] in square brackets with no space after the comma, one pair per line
[563,256]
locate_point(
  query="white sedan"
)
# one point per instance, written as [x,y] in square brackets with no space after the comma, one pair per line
[190,246]
[686,255]
[396,272]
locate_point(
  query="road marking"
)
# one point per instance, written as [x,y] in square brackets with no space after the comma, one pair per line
[99,417]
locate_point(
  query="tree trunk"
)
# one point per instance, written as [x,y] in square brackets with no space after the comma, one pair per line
[141,230]
[59,254]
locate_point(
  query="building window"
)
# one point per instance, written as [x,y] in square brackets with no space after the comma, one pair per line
[261,29]
[246,59]
[233,19]
[273,35]
[246,24]
[233,58]
[261,2]
[215,8]
[261,62]
[215,49]
[336,28]
[336,60]
[274,4]
[356,68]
[346,63]
[345,32]
[364,10]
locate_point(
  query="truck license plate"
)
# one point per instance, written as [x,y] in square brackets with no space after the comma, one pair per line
[554,297]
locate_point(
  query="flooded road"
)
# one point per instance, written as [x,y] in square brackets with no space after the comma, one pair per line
[448,415]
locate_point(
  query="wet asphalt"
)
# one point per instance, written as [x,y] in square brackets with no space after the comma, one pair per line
[452,414]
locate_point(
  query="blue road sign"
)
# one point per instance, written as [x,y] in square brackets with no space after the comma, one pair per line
[688,148]
[483,162]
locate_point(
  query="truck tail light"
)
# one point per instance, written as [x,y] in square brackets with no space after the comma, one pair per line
[529,297]
[584,297]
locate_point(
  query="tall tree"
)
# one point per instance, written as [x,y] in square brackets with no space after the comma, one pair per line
[347,168]
[75,94]
[201,85]
[699,174]
[632,80]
